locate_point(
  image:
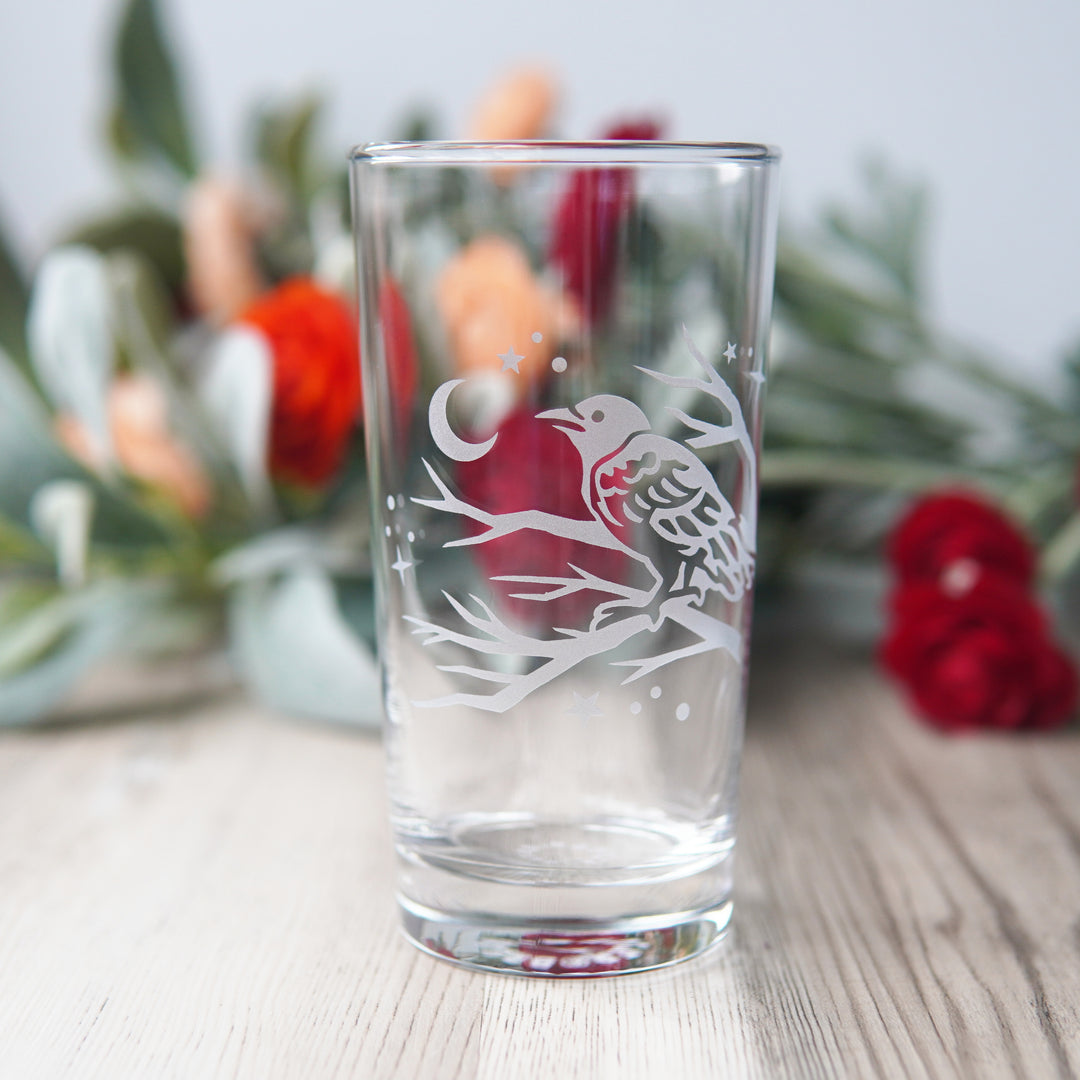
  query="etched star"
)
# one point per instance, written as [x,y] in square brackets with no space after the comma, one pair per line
[401,565]
[756,377]
[585,708]
[510,360]
[729,352]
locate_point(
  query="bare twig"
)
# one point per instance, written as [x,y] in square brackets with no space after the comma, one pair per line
[587,532]
[566,586]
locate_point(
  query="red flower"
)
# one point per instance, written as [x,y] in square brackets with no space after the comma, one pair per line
[535,467]
[313,338]
[976,655]
[403,368]
[953,527]
[584,242]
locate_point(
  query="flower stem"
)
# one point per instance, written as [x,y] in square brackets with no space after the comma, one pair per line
[781,468]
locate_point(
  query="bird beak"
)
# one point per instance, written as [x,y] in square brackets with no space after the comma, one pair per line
[565,419]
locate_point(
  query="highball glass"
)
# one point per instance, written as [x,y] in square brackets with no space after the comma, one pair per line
[564,350]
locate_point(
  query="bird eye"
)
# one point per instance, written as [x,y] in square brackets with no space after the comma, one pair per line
[598,416]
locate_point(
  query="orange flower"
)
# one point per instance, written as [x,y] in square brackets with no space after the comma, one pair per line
[492,303]
[313,339]
[144,447]
[219,246]
[519,106]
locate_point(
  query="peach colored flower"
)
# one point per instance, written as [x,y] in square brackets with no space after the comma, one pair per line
[144,446]
[493,305]
[219,246]
[518,106]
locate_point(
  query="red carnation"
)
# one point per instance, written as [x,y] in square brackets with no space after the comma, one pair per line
[535,467]
[313,339]
[975,654]
[584,243]
[954,527]
[403,368]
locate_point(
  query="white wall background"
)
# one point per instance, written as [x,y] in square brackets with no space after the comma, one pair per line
[979,97]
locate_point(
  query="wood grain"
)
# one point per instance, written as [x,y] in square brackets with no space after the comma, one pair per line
[207,894]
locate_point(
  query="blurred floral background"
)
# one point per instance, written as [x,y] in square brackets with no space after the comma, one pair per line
[181,469]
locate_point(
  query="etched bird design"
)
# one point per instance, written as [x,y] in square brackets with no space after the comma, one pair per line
[634,477]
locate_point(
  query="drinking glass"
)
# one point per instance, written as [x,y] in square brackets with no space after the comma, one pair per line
[564,355]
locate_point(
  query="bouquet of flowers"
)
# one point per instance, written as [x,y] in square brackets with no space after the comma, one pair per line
[181,464]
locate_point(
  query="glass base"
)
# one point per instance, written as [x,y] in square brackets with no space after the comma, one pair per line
[538,897]
[552,948]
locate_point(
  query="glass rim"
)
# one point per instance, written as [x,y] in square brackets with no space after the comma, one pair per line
[609,152]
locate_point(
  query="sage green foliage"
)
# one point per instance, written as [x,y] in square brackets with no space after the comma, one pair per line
[870,401]
[155,582]
[284,145]
[14,300]
[143,230]
[148,118]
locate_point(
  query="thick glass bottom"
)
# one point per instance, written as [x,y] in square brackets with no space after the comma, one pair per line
[539,898]
[556,948]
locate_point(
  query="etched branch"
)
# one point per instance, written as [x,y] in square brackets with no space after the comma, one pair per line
[499,638]
[559,655]
[567,586]
[587,532]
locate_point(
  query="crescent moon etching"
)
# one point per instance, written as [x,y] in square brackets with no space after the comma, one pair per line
[444,436]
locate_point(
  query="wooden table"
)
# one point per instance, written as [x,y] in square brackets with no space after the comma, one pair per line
[207,894]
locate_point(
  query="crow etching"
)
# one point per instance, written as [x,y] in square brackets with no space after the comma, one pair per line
[634,478]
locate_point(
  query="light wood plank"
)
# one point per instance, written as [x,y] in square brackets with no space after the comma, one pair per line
[208,893]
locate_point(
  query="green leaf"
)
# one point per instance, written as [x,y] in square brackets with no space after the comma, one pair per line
[14,300]
[236,392]
[1071,364]
[43,653]
[32,620]
[418,125]
[142,316]
[148,119]
[120,136]
[297,652]
[19,547]
[71,335]
[890,230]
[284,145]
[149,233]
[61,513]
[29,456]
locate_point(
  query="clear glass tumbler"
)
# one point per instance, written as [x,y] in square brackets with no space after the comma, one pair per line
[564,360]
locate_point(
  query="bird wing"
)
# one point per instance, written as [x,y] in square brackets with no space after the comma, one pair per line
[658,481]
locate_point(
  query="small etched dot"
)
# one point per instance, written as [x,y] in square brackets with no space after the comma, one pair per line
[750,351]
[537,336]
[411,536]
[682,712]
[389,502]
[635,707]
[558,364]
[388,530]
[655,692]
